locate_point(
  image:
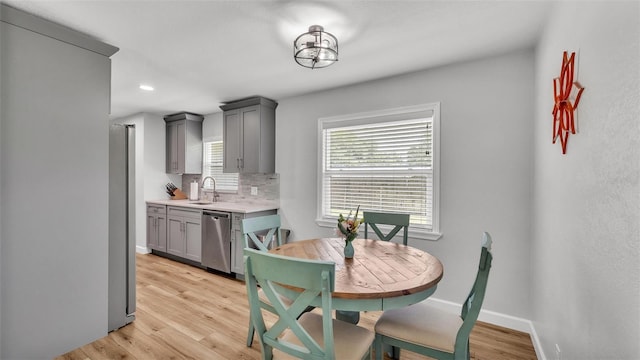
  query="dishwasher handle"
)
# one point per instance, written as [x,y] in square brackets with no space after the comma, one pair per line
[217,214]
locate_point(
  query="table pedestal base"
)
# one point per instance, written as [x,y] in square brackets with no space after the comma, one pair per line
[348,316]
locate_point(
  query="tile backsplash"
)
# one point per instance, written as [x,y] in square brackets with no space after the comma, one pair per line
[268,187]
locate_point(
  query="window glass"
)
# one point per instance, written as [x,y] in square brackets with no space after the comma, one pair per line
[212,166]
[381,161]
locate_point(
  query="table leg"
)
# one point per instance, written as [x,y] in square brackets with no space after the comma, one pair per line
[348,316]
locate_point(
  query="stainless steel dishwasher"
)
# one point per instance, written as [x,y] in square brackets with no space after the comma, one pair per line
[216,240]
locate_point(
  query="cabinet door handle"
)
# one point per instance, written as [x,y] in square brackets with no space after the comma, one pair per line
[241,163]
[237,163]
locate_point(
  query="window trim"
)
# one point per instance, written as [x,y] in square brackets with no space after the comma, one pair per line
[382,116]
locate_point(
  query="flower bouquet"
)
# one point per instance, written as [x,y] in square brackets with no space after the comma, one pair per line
[348,228]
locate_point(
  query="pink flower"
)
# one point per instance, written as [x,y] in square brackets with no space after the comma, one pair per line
[349,226]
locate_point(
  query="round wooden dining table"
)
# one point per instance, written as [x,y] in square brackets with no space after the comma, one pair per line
[381,275]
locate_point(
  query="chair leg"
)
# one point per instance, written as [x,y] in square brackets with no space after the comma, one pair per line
[381,348]
[250,334]
[378,347]
[395,352]
[352,317]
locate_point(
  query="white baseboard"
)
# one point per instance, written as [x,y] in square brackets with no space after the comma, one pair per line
[499,319]
[142,249]
[536,343]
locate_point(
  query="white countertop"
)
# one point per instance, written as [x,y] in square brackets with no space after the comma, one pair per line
[237,207]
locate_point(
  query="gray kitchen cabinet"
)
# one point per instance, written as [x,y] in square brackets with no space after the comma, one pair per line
[237,240]
[157,227]
[184,232]
[249,135]
[237,244]
[184,143]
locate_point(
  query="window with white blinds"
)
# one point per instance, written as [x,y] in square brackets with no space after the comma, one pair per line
[382,161]
[212,166]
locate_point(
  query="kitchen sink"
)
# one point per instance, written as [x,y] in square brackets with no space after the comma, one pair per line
[202,202]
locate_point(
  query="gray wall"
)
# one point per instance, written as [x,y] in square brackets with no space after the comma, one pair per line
[54,191]
[586,243]
[486,166]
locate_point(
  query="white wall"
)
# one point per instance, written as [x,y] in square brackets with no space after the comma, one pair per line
[140,216]
[586,243]
[54,192]
[155,176]
[486,171]
[150,168]
[212,127]
[151,175]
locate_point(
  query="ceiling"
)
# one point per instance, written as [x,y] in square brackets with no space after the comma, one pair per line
[199,54]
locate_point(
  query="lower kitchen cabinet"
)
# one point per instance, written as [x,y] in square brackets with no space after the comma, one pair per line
[184,233]
[157,227]
[237,240]
[176,232]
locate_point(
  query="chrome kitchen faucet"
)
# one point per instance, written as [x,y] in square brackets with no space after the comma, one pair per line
[215,194]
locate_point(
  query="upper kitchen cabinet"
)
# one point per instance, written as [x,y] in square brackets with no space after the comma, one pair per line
[184,143]
[249,128]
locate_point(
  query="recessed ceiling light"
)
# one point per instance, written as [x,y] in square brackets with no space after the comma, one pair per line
[146,87]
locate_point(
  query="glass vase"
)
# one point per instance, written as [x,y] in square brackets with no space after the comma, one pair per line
[348,246]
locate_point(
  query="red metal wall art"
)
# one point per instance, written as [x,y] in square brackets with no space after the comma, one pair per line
[565,103]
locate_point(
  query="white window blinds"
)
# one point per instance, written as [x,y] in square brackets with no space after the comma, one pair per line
[212,166]
[381,161]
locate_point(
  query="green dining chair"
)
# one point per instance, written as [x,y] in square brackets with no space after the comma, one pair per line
[262,233]
[253,227]
[373,219]
[427,330]
[297,334]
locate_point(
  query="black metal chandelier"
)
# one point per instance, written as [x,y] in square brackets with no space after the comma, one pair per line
[316,48]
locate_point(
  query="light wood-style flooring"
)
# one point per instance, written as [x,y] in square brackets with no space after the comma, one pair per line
[187,313]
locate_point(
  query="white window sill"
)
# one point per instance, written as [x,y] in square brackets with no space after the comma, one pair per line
[414,233]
